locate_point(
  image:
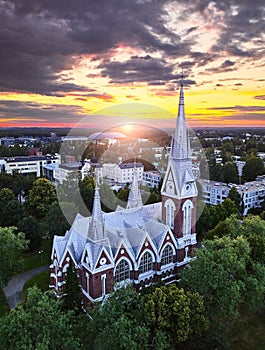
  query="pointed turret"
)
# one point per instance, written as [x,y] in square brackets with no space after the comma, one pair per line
[96,228]
[134,199]
[180,148]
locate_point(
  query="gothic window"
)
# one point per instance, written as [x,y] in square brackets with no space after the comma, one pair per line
[146,263]
[170,209]
[167,255]
[103,285]
[187,208]
[122,271]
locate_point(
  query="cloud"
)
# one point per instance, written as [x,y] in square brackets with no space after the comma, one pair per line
[42,40]
[238,108]
[27,111]
[138,69]
[259,97]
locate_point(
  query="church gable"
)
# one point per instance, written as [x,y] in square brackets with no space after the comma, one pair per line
[85,259]
[67,257]
[103,259]
[147,245]
[169,186]
[168,238]
[123,252]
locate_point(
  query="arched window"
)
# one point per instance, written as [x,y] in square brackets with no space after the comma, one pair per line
[167,255]
[187,208]
[146,263]
[170,209]
[122,271]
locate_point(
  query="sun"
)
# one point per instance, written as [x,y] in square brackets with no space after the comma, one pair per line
[128,127]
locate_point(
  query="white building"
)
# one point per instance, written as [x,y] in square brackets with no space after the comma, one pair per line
[62,172]
[252,193]
[151,178]
[28,165]
[122,173]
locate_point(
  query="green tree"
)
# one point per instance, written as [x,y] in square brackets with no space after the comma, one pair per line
[254,166]
[227,151]
[108,198]
[40,198]
[11,210]
[119,324]
[12,244]
[55,222]
[235,196]
[230,173]
[179,315]
[229,227]
[123,195]
[38,325]
[212,215]
[72,300]
[30,226]
[227,277]
[87,187]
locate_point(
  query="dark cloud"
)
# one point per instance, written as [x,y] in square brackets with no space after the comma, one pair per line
[239,108]
[40,39]
[27,112]
[227,63]
[139,70]
[218,84]
[259,97]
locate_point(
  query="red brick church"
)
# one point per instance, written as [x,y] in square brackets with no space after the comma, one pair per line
[141,244]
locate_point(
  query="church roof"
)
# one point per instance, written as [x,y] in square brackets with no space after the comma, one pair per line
[128,225]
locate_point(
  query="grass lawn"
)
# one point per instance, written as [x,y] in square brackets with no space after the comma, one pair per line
[36,259]
[4,307]
[249,333]
[41,281]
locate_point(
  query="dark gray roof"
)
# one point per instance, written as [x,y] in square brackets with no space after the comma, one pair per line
[130,165]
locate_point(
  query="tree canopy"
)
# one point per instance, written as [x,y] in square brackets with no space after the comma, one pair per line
[38,325]
[40,197]
[11,246]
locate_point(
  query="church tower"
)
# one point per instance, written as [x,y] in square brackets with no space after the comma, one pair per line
[179,189]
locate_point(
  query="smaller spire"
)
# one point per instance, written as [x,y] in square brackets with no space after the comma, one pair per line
[96,228]
[134,199]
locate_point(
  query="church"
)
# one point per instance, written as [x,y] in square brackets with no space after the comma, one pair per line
[141,244]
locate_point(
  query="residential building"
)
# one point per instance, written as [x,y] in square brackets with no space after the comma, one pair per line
[62,172]
[121,174]
[151,178]
[28,165]
[252,193]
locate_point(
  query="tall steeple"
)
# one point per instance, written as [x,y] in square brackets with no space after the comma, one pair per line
[180,148]
[96,228]
[135,199]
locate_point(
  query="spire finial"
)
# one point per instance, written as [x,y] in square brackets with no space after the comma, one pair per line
[182,78]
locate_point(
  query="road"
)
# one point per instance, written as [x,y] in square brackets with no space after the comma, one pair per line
[13,291]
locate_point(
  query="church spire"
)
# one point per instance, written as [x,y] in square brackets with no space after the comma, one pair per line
[134,199]
[180,148]
[96,228]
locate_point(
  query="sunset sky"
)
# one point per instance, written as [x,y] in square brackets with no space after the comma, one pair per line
[117,61]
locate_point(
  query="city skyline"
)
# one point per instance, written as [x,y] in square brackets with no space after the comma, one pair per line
[121,62]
